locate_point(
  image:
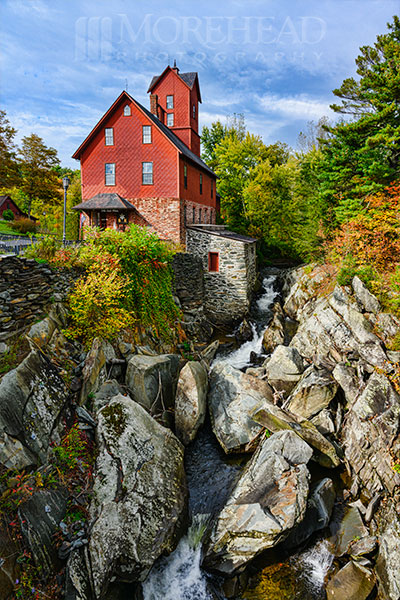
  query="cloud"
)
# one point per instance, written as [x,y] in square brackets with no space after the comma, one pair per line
[296,107]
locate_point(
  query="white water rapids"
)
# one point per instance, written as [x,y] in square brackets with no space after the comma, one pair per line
[241,357]
[178,576]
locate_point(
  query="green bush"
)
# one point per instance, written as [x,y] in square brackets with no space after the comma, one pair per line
[8,215]
[24,226]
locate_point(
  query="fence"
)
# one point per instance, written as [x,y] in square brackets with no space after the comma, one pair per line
[16,244]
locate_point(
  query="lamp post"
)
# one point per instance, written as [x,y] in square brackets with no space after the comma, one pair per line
[66,182]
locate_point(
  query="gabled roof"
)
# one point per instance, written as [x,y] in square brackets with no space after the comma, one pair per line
[105,202]
[177,142]
[189,79]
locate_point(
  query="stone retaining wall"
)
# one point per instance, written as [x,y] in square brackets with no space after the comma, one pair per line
[27,288]
[188,281]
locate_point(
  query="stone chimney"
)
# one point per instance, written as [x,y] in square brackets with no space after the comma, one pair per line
[154,104]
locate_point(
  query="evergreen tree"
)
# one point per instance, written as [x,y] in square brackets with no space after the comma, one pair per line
[362,155]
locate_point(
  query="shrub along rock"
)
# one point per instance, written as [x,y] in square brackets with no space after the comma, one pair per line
[269,500]
[190,403]
[233,396]
[32,397]
[139,505]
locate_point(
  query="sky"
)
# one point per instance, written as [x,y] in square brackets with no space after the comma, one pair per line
[64,62]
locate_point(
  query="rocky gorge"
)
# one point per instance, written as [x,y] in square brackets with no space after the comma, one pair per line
[267,470]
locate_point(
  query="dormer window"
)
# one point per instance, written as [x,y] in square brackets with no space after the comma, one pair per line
[127,110]
[170,119]
[170,102]
[109,136]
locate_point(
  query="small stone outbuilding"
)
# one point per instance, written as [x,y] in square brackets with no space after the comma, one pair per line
[230,270]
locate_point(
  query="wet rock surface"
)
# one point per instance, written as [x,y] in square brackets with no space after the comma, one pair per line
[269,500]
[190,401]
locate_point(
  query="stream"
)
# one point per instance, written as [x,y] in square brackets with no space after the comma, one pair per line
[211,477]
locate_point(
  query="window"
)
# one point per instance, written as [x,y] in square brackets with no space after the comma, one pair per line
[146,134]
[147,173]
[201,183]
[212,188]
[194,215]
[110,173]
[109,136]
[127,110]
[213,262]
[170,119]
[185,176]
[170,102]
[194,111]
[199,215]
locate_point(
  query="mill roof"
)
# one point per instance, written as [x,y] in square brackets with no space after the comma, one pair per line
[181,146]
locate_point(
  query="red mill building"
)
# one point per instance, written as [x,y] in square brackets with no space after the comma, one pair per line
[145,167]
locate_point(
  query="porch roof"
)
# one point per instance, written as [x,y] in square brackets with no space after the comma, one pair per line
[105,202]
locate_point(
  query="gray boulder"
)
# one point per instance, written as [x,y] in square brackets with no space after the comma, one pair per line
[94,372]
[323,422]
[32,397]
[139,504]
[274,335]
[276,419]
[190,402]
[152,381]
[284,369]
[314,392]
[351,528]
[387,564]
[367,300]
[318,513]
[269,500]
[370,435]
[336,328]
[352,582]
[106,393]
[233,396]
[39,518]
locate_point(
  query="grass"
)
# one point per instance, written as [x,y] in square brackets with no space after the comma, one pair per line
[5,229]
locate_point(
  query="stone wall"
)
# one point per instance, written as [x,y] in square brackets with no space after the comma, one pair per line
[188,281]
[227,292]
[27,288]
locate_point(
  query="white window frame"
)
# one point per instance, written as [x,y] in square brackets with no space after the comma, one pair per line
[147,173]
[109,136]
[146,134]
[127,110]
[169,103]
[109,172]
[170,117]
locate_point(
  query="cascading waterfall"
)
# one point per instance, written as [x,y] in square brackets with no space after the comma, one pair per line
[210,479]
[178,576]
[316,563]
[240,358]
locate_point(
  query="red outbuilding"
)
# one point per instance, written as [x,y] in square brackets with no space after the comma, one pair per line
[144,166]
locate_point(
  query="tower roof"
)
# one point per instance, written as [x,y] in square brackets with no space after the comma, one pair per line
[190,79]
